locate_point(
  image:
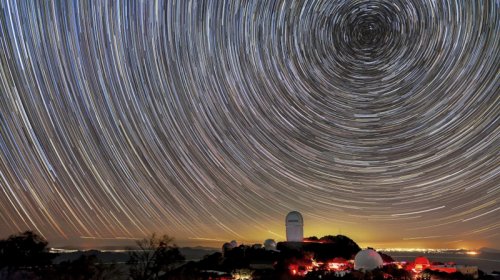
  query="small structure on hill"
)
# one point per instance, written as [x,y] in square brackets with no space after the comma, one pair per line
[229,246]
[270,245]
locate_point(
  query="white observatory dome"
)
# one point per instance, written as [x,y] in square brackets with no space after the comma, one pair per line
[234,243]
[294,227]
[227,246]
[368,260]
[270,244]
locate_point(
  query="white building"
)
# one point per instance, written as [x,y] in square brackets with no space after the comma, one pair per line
[294,227]
[270,245]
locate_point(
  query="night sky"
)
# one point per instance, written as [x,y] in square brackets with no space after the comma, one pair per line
[211,120]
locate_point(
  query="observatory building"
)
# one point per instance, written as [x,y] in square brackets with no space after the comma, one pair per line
[270,245]
[294,227]
[367,260]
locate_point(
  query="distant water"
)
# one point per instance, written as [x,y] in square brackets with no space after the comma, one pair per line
[122,256]
[486,262]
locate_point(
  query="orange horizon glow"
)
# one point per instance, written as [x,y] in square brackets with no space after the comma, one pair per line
[471,247]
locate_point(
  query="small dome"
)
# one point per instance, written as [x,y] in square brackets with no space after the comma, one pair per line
[368,260]
[227,246]
[270,244]
[421,263]
[234,243]
[422,260]
[257,246]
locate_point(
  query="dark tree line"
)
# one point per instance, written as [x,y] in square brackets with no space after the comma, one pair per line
[27,256]
[24,252]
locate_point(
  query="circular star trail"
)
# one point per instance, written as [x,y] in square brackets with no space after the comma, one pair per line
[213,119]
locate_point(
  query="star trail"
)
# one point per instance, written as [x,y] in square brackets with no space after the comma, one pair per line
[210,120]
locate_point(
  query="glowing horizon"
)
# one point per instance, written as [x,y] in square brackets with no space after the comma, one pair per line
[211,120]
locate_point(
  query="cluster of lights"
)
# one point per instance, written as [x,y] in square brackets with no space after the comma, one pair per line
[310,265]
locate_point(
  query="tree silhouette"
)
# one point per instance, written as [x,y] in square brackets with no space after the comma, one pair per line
[154,258]
[24,251]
